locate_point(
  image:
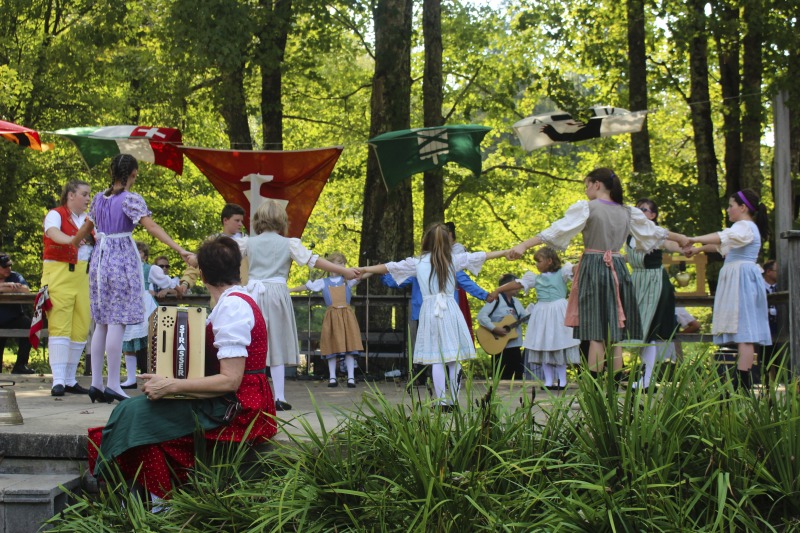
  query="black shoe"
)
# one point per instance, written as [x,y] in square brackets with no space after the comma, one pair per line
[282,406]
[351,384]
[96,394]
[333,384]
[131,386]
[76,389]
[57,390]
[22,369]
[109,396]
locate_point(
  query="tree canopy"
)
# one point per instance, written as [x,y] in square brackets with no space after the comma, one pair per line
[301,74]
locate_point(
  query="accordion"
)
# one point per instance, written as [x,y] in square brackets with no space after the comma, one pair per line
[177,343]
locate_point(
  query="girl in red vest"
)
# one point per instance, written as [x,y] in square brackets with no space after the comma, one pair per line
[66,274]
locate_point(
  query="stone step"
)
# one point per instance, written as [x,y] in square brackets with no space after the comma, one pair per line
[28,500]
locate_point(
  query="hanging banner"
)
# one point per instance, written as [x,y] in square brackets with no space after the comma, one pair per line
[543,130]
[25,137]
[158,146]
[406,152]
[296,178]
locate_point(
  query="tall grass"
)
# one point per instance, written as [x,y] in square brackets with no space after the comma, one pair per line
[693,455]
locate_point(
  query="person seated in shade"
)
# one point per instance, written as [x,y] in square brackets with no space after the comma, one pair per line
[151,438]
[13,316]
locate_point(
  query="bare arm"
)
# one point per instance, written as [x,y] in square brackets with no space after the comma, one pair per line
[299,288]
[85,230]
[692,327]
[672,246]
[231,371]
[58,236]
[374,269]
[495,255]
[13,287]
[158,232]
[520,249]
[710,238]
[510,286]
[672,237]
[328,266]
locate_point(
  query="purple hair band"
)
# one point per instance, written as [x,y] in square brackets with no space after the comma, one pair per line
[744,199]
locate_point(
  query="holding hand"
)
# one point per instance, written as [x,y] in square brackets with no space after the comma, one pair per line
[351,273]
[155,387]
[683,241]
[492,296]
[516,252]
[190,258]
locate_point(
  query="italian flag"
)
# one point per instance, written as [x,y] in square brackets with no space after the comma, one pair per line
[151,144]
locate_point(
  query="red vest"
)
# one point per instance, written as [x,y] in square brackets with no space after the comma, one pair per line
[66,253]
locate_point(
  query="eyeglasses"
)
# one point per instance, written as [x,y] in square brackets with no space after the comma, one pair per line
[164,265]
[5,261]
[645,210]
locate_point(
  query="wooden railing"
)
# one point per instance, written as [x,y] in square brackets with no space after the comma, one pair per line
[382,339]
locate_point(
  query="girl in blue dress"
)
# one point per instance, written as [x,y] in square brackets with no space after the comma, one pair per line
[740,303]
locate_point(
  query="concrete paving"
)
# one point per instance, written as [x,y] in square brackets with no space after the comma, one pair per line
[56,427]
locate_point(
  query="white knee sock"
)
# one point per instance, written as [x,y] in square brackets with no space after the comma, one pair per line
[438,375]
[332,369]
[98,355]
[114,356]
[350,361]
[75,352]
[561,373]
[549,374]
[648,357]
[278,373]
[130,369]
[454,369]
[59,359]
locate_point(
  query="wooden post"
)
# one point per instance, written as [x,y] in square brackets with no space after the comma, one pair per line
[793,279]
[699,261]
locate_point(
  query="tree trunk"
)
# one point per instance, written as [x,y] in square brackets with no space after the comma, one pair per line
[273,49]
[751,95]
[432,97]
[702,125]
[728,49]
[637,73]
[387,226]
[233,108]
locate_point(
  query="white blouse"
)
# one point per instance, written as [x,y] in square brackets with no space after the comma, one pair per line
[297,251]
[317,285]
[407,268]
[157,278]
[738,235]
[648,236]
[232,320]
[528,279]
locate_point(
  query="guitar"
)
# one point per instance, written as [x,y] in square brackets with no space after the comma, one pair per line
[491,343]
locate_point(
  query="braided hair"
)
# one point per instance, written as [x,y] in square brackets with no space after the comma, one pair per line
[122,166]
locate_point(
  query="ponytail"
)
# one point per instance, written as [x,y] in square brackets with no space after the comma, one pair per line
[610,181]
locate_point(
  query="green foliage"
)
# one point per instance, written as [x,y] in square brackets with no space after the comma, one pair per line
[692,456]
